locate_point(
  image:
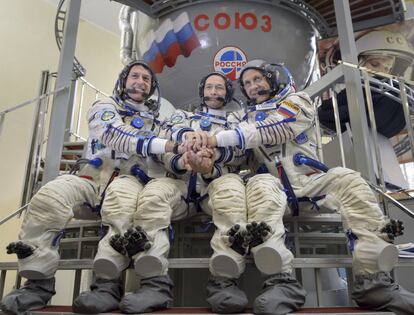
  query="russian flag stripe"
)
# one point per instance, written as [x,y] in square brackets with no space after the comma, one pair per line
[286,112]
[191,44]
[172,54]
[185,33]
[171,40]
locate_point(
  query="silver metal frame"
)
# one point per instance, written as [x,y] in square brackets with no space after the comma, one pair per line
[61,101]
[36,143]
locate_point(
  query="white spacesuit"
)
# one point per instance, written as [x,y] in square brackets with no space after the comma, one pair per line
[51,208]
[126,124]
[281,131]
[123,133]
[165,199]
[248,217]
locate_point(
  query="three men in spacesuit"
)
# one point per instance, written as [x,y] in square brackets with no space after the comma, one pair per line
[279,128]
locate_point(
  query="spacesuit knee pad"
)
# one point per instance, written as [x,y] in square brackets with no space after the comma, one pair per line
[266,200]
[147,265]
[272,257]
[108,263]
[225,265]
[227,192]
[156,203]
[227,199]
[42,264]
[374,256]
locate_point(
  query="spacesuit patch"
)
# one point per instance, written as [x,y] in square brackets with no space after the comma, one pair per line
[288,109]
[107,115]
[177,118]
[301,138]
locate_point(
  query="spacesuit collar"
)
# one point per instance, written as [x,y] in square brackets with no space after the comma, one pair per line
[131,105]
[216,112]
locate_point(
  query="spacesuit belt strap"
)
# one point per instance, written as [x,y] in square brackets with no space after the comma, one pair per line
[291,196]
[114,174]
[312,200]
[192,194]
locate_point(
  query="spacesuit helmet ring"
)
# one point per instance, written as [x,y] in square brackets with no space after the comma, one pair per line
[228,84]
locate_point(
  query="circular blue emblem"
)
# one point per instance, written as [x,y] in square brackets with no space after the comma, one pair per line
[260,116]
[137,122]
[205,124]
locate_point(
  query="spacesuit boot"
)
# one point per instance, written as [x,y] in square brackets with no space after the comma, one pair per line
[154,293]
[224,296]
[103,297]
[34,295]
[379,292]
[281,294]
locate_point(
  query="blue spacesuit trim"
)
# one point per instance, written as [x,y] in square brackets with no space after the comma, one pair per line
[284,121]
[181,132]
[140,145]
[242,142]
[174,166]
[223,153]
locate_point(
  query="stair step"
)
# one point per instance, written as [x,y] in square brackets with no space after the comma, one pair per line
[68,162]
[203,310]
[72,152]
[77,144]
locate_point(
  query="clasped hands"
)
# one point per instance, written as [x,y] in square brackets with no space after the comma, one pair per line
[198,152]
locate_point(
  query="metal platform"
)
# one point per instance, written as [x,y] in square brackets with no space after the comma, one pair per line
[190,310]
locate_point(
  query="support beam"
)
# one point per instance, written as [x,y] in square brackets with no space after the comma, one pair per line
[139,5]
[61,100]
[327,81]
[355,96]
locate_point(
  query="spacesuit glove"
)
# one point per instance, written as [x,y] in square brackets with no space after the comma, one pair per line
[258,233]
[20,249]
[238,239]
[393,229]
[133,241]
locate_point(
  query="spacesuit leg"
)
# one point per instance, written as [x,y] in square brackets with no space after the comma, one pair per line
[365,224]
[48,213]
[347,192]
[227,202]
[266,205]
[160,200]
[117,211]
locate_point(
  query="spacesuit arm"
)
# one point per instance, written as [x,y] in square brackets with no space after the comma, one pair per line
[106,124]
[173,163]
[228,159]
[232,155]
[177,125]
[294,115]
